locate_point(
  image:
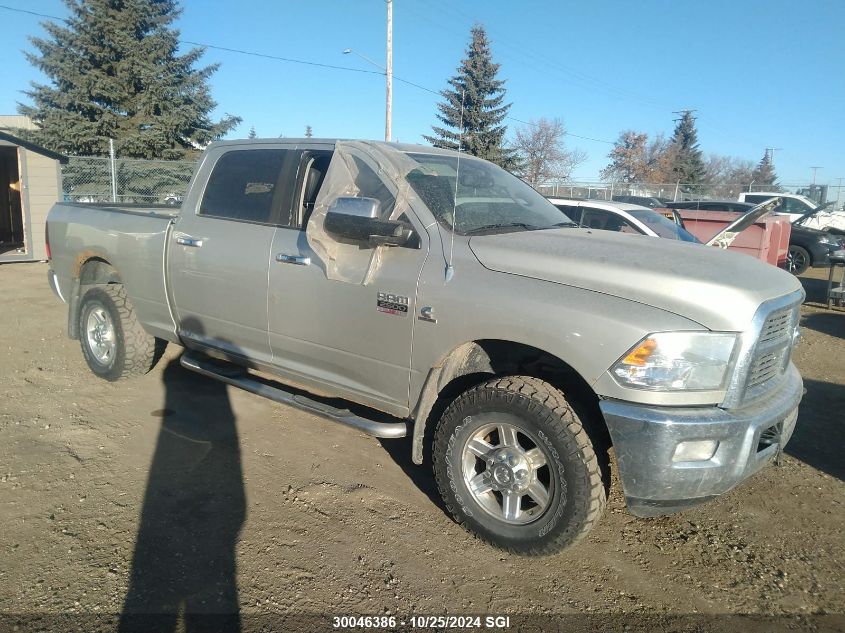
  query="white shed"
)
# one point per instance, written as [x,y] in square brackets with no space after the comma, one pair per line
[30,183]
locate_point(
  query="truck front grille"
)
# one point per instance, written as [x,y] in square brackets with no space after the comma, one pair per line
[776,327]
[773,350]
[765,368]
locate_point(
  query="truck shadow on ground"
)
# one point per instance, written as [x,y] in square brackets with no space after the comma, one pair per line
[819,434]
[830,323]
[421,475]
[816,290]
[194,506]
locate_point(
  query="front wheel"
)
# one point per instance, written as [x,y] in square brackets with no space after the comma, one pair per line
[797,260]
[114,343]
[515,466]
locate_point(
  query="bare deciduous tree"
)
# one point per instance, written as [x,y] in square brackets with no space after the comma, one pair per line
[634,159]
[542,152]
[628,159]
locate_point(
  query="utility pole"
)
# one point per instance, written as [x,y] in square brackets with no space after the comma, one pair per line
[389,73]
[839,191]
[771,152]
[815,169]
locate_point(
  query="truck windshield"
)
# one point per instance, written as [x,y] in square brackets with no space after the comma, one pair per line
[488,197]
[663,226]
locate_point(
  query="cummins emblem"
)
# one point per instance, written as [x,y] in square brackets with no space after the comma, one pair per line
[392,304]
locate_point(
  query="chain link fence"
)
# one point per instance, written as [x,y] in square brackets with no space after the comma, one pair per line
[125,180]
[129,180]
[680,191]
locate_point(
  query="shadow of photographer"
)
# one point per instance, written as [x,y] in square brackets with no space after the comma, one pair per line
[194,508]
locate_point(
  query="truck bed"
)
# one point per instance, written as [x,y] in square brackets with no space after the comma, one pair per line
[131,237]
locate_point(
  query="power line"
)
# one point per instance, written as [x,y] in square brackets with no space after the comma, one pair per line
[40,15]
[531,58]
[281,59]
[292,60]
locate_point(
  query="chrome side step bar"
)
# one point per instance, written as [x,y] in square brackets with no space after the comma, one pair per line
[277,394]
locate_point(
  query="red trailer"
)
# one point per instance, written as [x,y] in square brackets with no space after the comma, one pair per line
[767,239]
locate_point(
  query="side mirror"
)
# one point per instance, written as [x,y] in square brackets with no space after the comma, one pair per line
[356,221]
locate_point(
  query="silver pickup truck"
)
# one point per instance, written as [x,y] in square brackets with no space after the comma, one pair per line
[512,346]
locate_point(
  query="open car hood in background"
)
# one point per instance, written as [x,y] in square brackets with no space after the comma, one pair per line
[813,212]
[727,235]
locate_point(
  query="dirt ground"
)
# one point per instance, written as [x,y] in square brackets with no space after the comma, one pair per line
[172,490]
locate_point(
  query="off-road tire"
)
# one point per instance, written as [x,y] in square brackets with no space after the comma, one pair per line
[135,349]
[578,499]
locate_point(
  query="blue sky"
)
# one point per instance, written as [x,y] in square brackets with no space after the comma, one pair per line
[759,73]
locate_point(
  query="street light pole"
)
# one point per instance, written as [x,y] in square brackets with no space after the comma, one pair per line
[388,114]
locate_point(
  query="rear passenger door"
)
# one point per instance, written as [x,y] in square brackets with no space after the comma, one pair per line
[219,251]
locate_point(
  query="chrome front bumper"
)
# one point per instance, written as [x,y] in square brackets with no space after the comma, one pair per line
[645,439]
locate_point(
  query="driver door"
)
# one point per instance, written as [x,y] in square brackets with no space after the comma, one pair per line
[330,334]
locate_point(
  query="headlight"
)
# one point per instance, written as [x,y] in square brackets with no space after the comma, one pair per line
[677,361]
[828,239]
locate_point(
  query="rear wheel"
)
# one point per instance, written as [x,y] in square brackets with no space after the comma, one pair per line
[114,344]
[797,260]
[515,467]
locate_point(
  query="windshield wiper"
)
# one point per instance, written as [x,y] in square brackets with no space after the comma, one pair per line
[503,225]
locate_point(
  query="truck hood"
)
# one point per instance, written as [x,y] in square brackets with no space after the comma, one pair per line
[718,289]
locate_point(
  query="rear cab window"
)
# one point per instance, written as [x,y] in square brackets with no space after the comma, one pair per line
[247,186]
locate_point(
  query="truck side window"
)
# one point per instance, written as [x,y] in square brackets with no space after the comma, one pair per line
[244,186]
[312,169]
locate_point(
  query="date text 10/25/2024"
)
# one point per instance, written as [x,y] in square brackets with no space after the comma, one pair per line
[422,622]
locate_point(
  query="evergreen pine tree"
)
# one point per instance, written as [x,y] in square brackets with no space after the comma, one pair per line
[252,133]
[688,164]
[115,73]
[475,90]
[308,131]
[764,173]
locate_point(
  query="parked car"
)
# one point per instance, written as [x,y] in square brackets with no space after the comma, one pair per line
[633,219]
[807,246]
[621,217]
[458,306]
[643,201]
[812,247]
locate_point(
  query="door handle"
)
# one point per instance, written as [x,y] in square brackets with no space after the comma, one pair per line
[187,240]
[299,260]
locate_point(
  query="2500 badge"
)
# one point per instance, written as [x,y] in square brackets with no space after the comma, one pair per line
[390,303]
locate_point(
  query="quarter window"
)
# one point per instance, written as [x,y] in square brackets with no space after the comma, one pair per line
[245,186]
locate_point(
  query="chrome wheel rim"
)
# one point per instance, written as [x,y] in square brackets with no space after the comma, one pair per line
[99,331]
[507,473]
[795,260]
